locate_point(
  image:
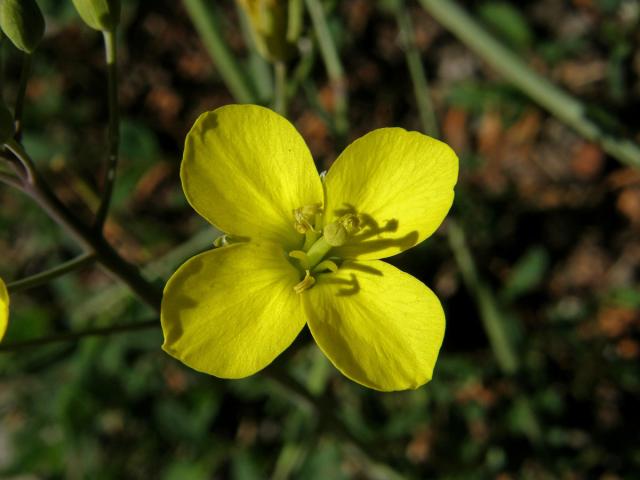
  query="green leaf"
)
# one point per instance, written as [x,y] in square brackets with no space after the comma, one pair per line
[508,23]
[527,273]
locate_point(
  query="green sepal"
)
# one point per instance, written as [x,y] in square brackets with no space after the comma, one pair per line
[99,14]
[23,23]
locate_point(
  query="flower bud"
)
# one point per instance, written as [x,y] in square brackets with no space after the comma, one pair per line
[275,26]
[7,128]
[22,22]
[99,14]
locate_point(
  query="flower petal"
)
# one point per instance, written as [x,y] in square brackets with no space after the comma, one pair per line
[245,168]
[400,182]
[379,326]
[4,309]
[230,312]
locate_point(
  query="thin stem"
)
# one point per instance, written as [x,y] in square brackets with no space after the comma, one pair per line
[324,408]
[48,275]
[10,180]
[74,336]
[559,103]
[416,71]
[331,59]
[504,351]
[110,47]
[280,93]
[91,241]
[261,75]
[204,17]
[22,92]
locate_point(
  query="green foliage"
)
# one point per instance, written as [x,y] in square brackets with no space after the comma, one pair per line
[527,274]
[117,407]
[6,123]
[99,14]
[508,22]
[22,22]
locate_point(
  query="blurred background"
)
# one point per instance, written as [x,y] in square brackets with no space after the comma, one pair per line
[537,266]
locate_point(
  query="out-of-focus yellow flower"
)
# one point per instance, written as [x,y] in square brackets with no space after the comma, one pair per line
[4,309]
[272,26]
[311,250]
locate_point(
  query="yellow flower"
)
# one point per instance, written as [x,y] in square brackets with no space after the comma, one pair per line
[310,250]
[4,309]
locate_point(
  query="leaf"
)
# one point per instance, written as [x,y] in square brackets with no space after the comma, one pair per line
[527,273]
[508,23]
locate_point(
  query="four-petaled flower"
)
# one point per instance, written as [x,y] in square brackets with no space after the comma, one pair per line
[305,250]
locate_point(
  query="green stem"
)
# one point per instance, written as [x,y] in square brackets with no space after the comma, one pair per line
[280,94]
[10,180]
[22,93]
[204,19]
[73,336]
[331,59]
[324,408]
[492,320]
[110,47]
[261,73]
[55,272]
[91,241]
[559,103]
[416,71]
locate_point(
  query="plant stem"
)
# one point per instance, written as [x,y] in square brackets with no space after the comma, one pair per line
[10,180]
[73,336]
[489,312]
[416,71]
[110,47]
[205,20]
[332,62]
[47,275]
[22,92]
[280,93]
[324,408]
[91,241]
[487,304]
[260,70]
[559,103]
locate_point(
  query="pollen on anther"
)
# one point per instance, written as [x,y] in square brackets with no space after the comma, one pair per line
[307,282]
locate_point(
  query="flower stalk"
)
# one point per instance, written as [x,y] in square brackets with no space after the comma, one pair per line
[48,275]
[91,242]
[110,45]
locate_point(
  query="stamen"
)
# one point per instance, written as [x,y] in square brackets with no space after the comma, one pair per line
[307,282]
[305,217]
[302,256]
[326,265]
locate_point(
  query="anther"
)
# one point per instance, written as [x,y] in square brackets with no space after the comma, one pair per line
[307,282]
[305,217]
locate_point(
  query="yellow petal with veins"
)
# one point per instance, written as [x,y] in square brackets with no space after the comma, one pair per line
[246,169]
[399,183]
[379,326]
[231,311]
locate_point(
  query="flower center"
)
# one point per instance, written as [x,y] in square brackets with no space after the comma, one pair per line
[314,257]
